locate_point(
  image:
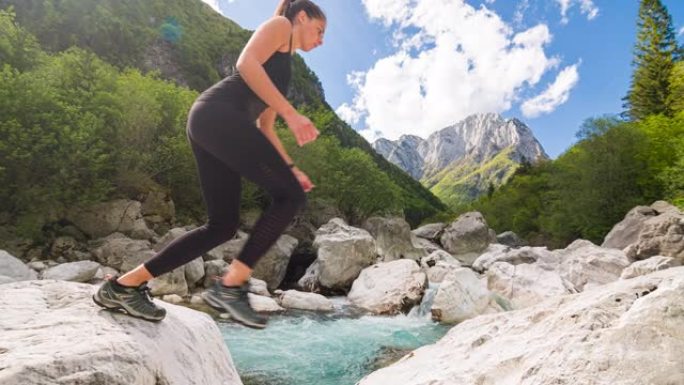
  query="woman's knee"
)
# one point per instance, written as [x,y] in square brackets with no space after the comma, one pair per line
[223,230]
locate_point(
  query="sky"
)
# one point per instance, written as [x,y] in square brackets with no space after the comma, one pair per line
[396,67]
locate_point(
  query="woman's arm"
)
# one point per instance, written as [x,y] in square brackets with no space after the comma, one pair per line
[265,124]
[267,39]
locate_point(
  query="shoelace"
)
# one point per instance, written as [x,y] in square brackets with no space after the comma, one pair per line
[146,291]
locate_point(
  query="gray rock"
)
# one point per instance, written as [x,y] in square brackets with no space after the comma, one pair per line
[660,235]
[627,231]
[194,272]
[102,219]
[81,271]
[511,239]
[213,270]
[432,231]
[122,253]
[393,239]
[342,252]
[467,237]
[273,266]
[15,269]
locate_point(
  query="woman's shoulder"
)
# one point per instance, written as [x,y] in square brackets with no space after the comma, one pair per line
[280,22]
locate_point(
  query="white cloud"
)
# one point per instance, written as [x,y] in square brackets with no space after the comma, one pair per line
[587,7]
[464,60]
[554,95]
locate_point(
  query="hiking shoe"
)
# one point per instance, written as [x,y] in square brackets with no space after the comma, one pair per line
[136,301]
[235,302]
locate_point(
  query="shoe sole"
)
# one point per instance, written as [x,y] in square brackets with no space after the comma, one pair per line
[118,308]
[215,304]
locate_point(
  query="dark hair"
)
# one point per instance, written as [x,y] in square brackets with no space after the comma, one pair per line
[290,9]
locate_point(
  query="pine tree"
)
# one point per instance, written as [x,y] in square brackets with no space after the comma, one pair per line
[655,53]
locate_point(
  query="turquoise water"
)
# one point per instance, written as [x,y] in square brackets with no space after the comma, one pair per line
[302,348]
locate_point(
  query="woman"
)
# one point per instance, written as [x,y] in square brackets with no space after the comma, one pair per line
[227,145]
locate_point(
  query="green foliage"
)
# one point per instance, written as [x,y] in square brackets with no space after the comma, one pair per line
[676,101]
[346,177]
[655,53]
[18,48]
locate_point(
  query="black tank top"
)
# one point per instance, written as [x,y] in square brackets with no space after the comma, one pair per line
[233,89]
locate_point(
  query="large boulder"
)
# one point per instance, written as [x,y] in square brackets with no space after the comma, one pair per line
[158,209]
[460,296]
[431,231]
[660,235]
[273,266]
[342,252]
[467,237]
[525,284]
[12,269]
[584,264]
[102,219]
[122,253]
[74,342]
[393,239]
[627,231]
[630,332]
[389,287]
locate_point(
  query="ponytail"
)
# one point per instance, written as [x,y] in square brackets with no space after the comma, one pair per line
[290,8]
[283,7]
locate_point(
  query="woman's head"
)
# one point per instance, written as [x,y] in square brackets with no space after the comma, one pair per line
[308,20]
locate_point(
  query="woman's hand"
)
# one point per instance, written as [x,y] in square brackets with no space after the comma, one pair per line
[303,179]
[302,128]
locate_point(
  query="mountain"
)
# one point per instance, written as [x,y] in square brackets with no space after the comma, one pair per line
[461,162]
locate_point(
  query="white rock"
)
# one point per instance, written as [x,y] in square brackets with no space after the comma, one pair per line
[172,298]
[75,342]
[461,296]
[14,268]
[389,287]
[525,284]
[263,304]
[258,287]
[585,264]
[293,299]
[438,264]
[81,271]
[342,252]
[647,266]
[630,332]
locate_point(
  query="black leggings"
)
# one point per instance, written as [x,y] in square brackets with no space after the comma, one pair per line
[227,145]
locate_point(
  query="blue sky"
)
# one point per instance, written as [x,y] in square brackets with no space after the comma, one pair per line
[394,67]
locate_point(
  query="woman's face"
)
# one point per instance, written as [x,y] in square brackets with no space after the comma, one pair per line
[311,32]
